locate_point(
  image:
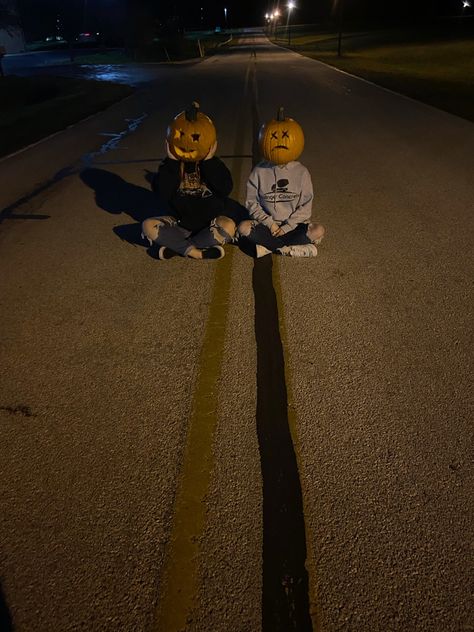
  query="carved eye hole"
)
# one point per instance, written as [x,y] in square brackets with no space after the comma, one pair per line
[178,134]
[195,137]
[274,135]
[285,134]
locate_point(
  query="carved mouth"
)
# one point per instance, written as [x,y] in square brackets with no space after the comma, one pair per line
[185,152]
[280,147]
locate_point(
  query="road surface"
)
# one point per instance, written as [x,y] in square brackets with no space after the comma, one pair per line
[131,387]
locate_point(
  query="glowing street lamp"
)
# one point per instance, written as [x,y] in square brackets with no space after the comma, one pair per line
[291,6]
[84,19]
[340,10]
[275,16]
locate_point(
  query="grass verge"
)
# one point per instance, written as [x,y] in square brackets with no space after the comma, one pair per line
[31,108]
[162,49]
[426,66]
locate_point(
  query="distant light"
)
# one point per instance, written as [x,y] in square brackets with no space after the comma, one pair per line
[277,13]
[466,4]
[266,16]
[291,5]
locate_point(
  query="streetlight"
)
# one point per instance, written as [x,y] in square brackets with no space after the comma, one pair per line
[271,17]
[291,6]
[84,20]
[340,20]
[276,15]
[225,17]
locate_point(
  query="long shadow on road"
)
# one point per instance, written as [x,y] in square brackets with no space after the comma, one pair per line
[115,195]
[6,624]
[285,599]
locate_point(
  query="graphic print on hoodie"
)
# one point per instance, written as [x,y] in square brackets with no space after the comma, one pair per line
[193,193]
[191,183]
[280,193]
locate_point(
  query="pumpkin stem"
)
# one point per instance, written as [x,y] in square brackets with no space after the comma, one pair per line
[191,112]
[280,115]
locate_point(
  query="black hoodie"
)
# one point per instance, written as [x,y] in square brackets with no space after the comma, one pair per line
[194,208]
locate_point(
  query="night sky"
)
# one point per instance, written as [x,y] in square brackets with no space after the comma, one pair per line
[39,16]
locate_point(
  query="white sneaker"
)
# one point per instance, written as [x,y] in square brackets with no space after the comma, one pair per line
[262,251]
[306,250]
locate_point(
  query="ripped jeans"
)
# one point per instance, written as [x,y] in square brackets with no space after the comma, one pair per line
[165,231]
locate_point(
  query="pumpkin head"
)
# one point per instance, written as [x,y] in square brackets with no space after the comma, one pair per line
[281,140]
[191,135]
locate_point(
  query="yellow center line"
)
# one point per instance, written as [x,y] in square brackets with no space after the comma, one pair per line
[180,581]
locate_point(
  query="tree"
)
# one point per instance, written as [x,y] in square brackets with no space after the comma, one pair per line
[8,17]
[8,22]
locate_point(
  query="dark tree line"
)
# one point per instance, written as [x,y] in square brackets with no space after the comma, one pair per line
[139,20]
[8,16]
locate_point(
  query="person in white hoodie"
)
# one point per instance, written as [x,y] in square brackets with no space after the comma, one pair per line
[280,195]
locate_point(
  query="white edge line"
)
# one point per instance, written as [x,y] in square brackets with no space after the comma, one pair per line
[372,83]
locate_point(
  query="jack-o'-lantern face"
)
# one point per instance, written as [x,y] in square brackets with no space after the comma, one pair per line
[191,135]
[281,140]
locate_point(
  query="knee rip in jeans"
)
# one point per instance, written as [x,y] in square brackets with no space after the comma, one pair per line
[151,227]
[315,232]
[223,229]
[245,228]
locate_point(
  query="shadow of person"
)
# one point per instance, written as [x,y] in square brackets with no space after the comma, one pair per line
[6,624]
[115,195]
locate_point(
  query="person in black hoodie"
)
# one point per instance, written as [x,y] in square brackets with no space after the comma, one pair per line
[193,186]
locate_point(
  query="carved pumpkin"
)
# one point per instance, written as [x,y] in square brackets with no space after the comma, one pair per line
[281,140]
[191,135]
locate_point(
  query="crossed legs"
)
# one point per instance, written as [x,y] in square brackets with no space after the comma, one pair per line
[260,235]
[165,231]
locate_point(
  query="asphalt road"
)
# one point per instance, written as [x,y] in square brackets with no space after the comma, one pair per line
[106,353]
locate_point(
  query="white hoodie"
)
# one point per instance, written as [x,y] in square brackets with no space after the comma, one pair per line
[280,194]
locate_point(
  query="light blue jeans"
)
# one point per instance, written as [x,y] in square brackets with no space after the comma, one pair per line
[165,231]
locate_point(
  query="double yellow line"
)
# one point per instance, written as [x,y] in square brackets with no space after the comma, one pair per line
[179,581]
